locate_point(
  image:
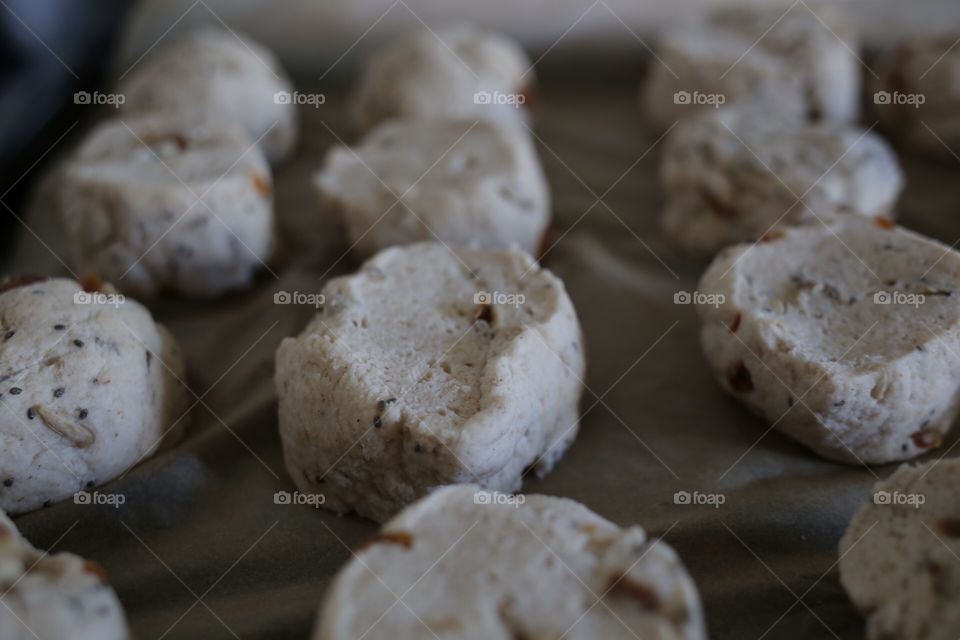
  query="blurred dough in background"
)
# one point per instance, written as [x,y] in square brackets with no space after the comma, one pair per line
[316,39]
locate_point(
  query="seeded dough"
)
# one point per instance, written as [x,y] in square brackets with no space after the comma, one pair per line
[469,564]
[221,75]
[444,73]
[734,174]
[51,597]
[87,390]
[921,69]
[816,332]
[169,204]
[802,63]
[410,379]
[898,561]
[459,182]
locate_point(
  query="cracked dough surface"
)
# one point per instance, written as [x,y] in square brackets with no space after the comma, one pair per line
[406,380]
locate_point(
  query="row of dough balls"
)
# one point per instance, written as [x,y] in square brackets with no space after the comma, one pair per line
[445,154]
[174,194]
[835,325]
[806,63]
[481,565]
[761,108]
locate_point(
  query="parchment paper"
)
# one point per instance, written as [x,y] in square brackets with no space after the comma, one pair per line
[199,550]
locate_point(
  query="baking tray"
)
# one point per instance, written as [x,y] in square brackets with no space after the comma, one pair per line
[200,550]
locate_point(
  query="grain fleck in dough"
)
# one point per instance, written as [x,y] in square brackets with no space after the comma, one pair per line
[54,596]
[734,174]
[475,565]
[436,74]
[87,390]
[797,62]
[224,76]
[169,204]
[410,378]
[846,337]
[456,181]
[898,558]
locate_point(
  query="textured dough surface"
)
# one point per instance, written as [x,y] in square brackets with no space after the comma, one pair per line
[805,64]
[221,75]
[733,174]
[404,382]
[821,331]
[433,74]
[455,181]
[87,391]
[52,597]
[898,561]
[169,204]
[544,568]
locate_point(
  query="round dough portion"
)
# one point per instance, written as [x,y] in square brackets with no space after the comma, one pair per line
[428,368]
[471,564]
[917,96]
[460,71]
[51,597]
[844,336]
[169,204]
[797,63]
[89,386]
[898,558]
[733,174]
[454,181]
[220,75]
